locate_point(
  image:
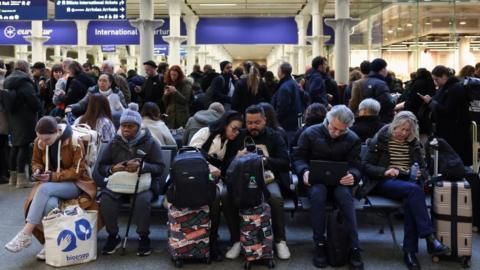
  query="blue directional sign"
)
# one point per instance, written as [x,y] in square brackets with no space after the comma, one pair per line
[90,9]
[15,10]
[109,48]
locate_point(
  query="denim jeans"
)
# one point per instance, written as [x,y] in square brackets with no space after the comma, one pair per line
[417,221]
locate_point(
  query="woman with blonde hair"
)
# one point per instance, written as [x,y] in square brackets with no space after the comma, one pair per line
[250,90]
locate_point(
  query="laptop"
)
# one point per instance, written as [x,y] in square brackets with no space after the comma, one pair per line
[328,173]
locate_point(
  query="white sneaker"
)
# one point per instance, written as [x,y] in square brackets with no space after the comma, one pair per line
[19,242]
[41,255]
[283,252]
[234,251]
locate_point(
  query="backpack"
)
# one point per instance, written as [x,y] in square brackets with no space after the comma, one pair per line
[450,165]
[90,140]
[192,185]
[245,181]
[338,239]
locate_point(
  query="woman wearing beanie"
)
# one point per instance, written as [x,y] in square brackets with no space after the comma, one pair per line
[177,97]
[60,173]
[120,155]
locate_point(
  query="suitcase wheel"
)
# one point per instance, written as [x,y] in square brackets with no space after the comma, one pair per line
[435,259]
[178,263]
[271,264]
[247,265]
[466,262]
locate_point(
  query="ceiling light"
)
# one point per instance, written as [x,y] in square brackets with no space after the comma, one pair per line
[217,5]
[428,23]
[399,28]
[463,22]
[409,25]
[390,31]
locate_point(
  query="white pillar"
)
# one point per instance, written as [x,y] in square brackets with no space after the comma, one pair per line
[369,38]
[146,25]
[99,55]
[37,39]
[342,25]
[132,58]
[21,52]
[57,54]
[465,55]
[317,39]
[302,24]
[202,56]
[82,41]
[191,21]
[174,39]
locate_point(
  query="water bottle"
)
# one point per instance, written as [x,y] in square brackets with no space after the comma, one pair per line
[414,171]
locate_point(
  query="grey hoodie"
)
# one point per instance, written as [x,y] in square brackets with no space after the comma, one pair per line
[198,121]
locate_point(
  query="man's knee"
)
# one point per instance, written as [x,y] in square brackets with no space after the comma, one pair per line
[343,195]
[317,194]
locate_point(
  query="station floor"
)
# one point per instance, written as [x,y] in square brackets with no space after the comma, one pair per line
[378,250]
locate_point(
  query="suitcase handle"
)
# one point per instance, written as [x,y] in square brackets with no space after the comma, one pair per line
[188,149]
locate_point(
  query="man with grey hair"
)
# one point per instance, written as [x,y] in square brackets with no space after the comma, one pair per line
[331,141]
[367,123]
[119,81]
[287,101]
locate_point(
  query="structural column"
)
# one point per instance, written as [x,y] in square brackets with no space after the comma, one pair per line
[37,39]
[57,54]
[146,25]
[21,52]
[465,56]
[202,56]
[342,25]
[82,41]
[174,39]
[317,39]
[191,21]
[302,23]
[132,58]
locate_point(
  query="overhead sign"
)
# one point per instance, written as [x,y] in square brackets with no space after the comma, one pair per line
[163,50]
[123,33]
[109,48]
[90,9]
[59,32]
[14,10]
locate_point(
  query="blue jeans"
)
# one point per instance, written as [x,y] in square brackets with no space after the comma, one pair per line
[417,221]
[47,198]
[345,202]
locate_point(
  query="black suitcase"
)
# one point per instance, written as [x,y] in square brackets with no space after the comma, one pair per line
[338,241]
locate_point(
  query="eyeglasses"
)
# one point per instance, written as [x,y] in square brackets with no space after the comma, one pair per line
[234,129]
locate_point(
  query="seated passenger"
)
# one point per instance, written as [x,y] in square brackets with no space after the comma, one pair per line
[59,176]
[391,153]
[331,141]
[202,119]
[314,114]
[98,117]
[215,141]
[367,123]
[275,159]
[121,155]
[152,120]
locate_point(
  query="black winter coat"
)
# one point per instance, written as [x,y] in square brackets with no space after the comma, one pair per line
[377,159]
[366,126]
[375,87]
[450,111]
[23,107]
[77,88]
[243,97]
[416,105]
[118,151]
[315,143]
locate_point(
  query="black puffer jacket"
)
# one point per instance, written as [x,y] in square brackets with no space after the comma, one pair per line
[118,151]
[315,143]
[375,87]
[23,106]
[77,88]
[377,159]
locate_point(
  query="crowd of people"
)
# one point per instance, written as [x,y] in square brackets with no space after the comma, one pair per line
[293,120]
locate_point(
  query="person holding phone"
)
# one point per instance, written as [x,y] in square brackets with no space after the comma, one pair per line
[177,97]
[60,173]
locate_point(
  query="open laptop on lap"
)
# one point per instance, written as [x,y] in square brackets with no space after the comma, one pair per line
[328,173]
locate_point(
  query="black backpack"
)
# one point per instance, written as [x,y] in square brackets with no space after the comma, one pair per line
[245,182]
[450,165]
[472,87]
[338,239]
[191,185]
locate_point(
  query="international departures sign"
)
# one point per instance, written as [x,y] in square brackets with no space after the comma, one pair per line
[16,10]
[90,9]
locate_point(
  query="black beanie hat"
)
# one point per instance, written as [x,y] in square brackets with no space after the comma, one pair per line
[378,64]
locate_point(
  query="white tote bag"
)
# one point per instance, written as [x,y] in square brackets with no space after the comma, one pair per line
[70,236]
[124,182]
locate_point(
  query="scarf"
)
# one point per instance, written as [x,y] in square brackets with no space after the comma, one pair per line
[136,139]
[105,93]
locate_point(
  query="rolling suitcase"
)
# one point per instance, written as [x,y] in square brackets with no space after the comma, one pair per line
[452,216]
[188,234]
[256,236]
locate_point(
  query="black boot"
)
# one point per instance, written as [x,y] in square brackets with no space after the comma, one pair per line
[355,262]
[411,261]
[435,247]
[320,258]
[216,254]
